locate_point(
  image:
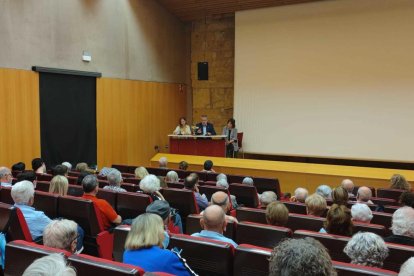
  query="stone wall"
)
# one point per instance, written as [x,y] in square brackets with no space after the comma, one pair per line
[212,40]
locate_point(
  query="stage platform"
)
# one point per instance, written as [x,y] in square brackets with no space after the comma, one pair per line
[290,174]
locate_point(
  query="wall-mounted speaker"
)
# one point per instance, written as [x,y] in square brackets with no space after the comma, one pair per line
[203,70]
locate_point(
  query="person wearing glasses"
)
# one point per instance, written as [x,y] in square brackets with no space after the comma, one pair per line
[6,177]
[62,234]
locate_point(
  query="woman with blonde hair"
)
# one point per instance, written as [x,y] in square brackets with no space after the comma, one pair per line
[59,185]
[143,247]
[141,172]
[183,128]
[399,182]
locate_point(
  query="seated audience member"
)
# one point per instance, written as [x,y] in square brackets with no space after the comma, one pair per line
[364,195]
[163,162]
[214,222]
[51,265]
[339,196]
[267,197]
[161,208]
[163,184]
[81,176]
[150,185]
[367,249]
[248,181]
[304,257]
[114,178]
[59,185]
[183,165]
[143,247]
[338,221]
[407,199]
[140,172]
[222,199]
[67,165]
[105,171]
[19,167]
[407,268]
[191,183]
[29,176]
[348,185]
[60,170]
[38,166]
[221,176]
[315,205]
[90,187]
[399,182]
[300,195]
[361,213]
[6,177]
[23,197]
[325,191]
[63,234]
[402,227]
[82,167]
[224,184]
[208,166]
[172,177]
[277,214]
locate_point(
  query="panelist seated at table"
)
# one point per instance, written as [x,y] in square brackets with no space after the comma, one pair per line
[183,128]
[205,128]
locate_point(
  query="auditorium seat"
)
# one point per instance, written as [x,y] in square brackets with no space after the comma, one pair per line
[210,183]
[391,209]
[5,195]
[183,200]
[128,175]
[193,226]
[183,174]
[251,260]
[259,234]
[129,187]
[124,168]
[131,205]
[75,190]
[355,190]
[108,195]
[382,219]
[46,202]
[120,235]
[389,193]
[88,265]
[157,171]
[210,190]
[16,173]
[43,177]
[263,184]
[334,243]
[205,256]
[251,214]
[74,173]
[72,180]
[97,241]
[398,254]
[103,183]
[233,178]
[20,254]
[369,227]
[383,201]
[295,207]
[373,207]
[175,185]
[211,177]
[245,194]
[132,181]
[347,269]
[42,186]
[304,222]
[13,223]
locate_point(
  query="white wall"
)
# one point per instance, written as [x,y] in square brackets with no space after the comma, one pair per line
[330,78]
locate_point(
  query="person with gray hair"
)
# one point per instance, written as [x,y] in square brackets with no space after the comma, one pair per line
[23,197]
[51,265]
[67,165]
[361,213]
[366,248]
[267,197]
[222,183]
[248,181]
[325,191]
[348,185]
[364,195]
[163,162]
[114,178]
[172,177]
[150,185]
[6,177]
[221,176]
[402,226]
[300,195]
[61,234]
[305,257]
[407,268]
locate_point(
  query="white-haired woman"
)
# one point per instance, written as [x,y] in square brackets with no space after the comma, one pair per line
[150,185]
[172,177]
[51,265]
[361,213]
[367,249]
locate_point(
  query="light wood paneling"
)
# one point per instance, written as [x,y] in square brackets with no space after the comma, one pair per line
[20,116]
[135,116]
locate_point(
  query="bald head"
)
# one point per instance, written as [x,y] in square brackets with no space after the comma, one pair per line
[364,194]
[348,185]
[213,219]
[221,199]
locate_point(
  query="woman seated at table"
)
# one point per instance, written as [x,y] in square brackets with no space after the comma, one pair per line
[182,128]
[231,137]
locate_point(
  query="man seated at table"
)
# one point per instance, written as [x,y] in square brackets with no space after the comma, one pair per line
[205,128]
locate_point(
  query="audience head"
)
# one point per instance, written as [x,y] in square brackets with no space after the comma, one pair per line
[59,185]
[300,195]
[163,162]
[403,222]
[141,172]
[222,183]
[221,199]
[248,181]
[90,184]
[150,184]
[172,177]
[267,197]
[161,208]
[190,182]
[305,257]
[23,193]
[81,167]
[51,265]
[213,219]
[114,177]
[338,221]
[340,196]
[325,191]
[146,230]
[5,175]
[348,185]
[20,166]
[81,176]
[315,205]
[407,268]
[38,165]
[277,214]
[183,165]
[364,194]
[61,234]
[27,175]
[399,182]
[407,199]
[367,249]
[67,165]
[361,213]
[221,176]
[208,165]
[59,170]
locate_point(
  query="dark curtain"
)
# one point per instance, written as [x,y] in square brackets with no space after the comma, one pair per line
[68,119]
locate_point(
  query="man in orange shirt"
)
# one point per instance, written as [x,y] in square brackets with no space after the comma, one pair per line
[90,186]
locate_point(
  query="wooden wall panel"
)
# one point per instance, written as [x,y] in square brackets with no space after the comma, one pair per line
[20,116]
[135,116]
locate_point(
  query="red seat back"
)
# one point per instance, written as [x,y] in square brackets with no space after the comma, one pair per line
[124,168]
[44,177]
[46,202]
[267,184]
[398,254]
[382,219]
[5,195]
[245,194]
[210,190]
[212,177]
[251,260]
[157,171]
[346,269]
[193,226]
[131,205]
[391,209]
[175,185]
[42,186]
[181,199]
[261,234]
[295,207]
[251,214]
[389,193]
[373,228]
[120,235]
[129,187]
[134,181]
[13,224]
[384,201]
[305,222]
[72,180]
[75,190]
[108,195]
